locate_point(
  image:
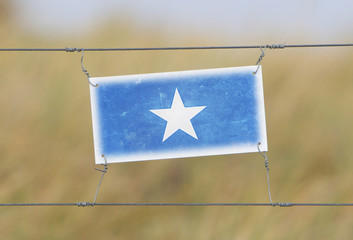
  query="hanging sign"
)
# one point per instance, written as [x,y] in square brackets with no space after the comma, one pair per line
[178,114]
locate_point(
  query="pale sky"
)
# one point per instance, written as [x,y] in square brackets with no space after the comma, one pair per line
[320,21]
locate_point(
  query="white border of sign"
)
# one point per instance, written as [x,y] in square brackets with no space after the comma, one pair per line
[234,149]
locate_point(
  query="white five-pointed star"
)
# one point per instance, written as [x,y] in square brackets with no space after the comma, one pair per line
[178,117]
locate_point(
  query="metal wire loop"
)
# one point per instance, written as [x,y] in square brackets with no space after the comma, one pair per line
[83,68]
[99,184]
[105,165]
[260,58]
[263,154]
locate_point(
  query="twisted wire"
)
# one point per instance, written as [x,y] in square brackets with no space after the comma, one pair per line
[269,46]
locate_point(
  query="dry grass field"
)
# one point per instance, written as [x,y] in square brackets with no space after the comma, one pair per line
[46,146]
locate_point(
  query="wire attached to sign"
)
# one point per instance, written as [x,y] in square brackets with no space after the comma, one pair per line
[85,70]
[103,173]
[263,154]
[260,58]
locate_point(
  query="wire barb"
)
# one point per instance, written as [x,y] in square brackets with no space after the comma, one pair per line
[276,46]
[83,68]
[104,171]
[283,204]
[67,49]
[84,204]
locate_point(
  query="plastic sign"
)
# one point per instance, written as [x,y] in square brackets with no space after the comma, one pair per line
[178,114]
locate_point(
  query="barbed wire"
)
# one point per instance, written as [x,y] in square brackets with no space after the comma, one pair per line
[89,204]
[267,46]
[94,203]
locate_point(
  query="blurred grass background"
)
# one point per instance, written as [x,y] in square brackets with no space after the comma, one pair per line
[46,145]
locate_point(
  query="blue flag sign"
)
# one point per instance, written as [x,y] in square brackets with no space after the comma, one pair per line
[178,114]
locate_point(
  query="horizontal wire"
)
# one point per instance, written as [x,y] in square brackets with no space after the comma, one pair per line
[271,46]
[86,204]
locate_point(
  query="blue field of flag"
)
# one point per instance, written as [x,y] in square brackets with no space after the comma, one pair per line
[178,114]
